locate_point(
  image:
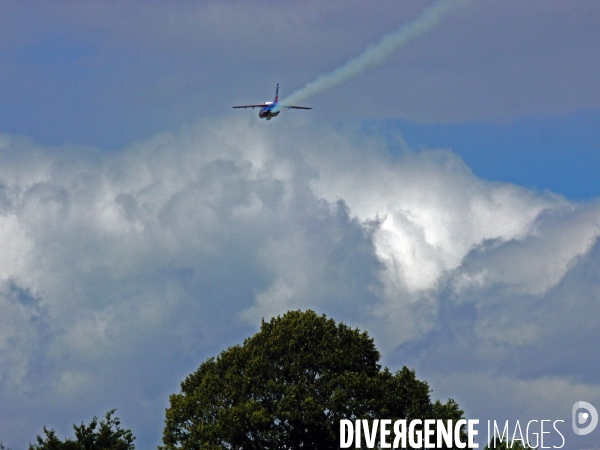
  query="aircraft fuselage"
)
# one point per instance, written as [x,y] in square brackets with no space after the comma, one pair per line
[269,111]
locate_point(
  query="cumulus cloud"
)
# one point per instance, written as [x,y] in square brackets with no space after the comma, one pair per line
[121,272]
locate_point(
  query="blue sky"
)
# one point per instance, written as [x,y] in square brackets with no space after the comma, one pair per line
[446,200]
[561,154]
[67,83]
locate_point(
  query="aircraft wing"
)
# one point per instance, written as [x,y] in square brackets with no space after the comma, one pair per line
[294,107]
[251,106]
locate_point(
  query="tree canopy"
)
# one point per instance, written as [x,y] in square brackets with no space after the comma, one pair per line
[288,387]
[106,435]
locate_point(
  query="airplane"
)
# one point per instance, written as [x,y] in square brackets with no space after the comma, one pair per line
[268,110]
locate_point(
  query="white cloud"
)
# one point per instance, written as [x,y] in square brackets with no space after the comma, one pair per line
[417,200]
[120,272]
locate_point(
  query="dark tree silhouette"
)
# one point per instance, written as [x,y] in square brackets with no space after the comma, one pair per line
[288,387]
[106,435]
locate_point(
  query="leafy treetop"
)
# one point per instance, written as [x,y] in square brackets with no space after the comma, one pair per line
[289,385]
[107,435]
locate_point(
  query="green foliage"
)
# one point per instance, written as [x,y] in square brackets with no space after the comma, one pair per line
[107,435]
[289,385]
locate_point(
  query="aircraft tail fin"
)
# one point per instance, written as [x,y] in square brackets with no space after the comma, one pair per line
[277,93]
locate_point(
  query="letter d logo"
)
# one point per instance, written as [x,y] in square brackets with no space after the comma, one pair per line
[581,418]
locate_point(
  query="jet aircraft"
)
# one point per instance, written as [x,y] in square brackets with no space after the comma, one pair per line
[268,110]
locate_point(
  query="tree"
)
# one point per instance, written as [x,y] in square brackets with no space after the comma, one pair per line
[108,436]
[288,387]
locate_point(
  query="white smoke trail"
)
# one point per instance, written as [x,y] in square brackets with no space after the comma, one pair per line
[374,54]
